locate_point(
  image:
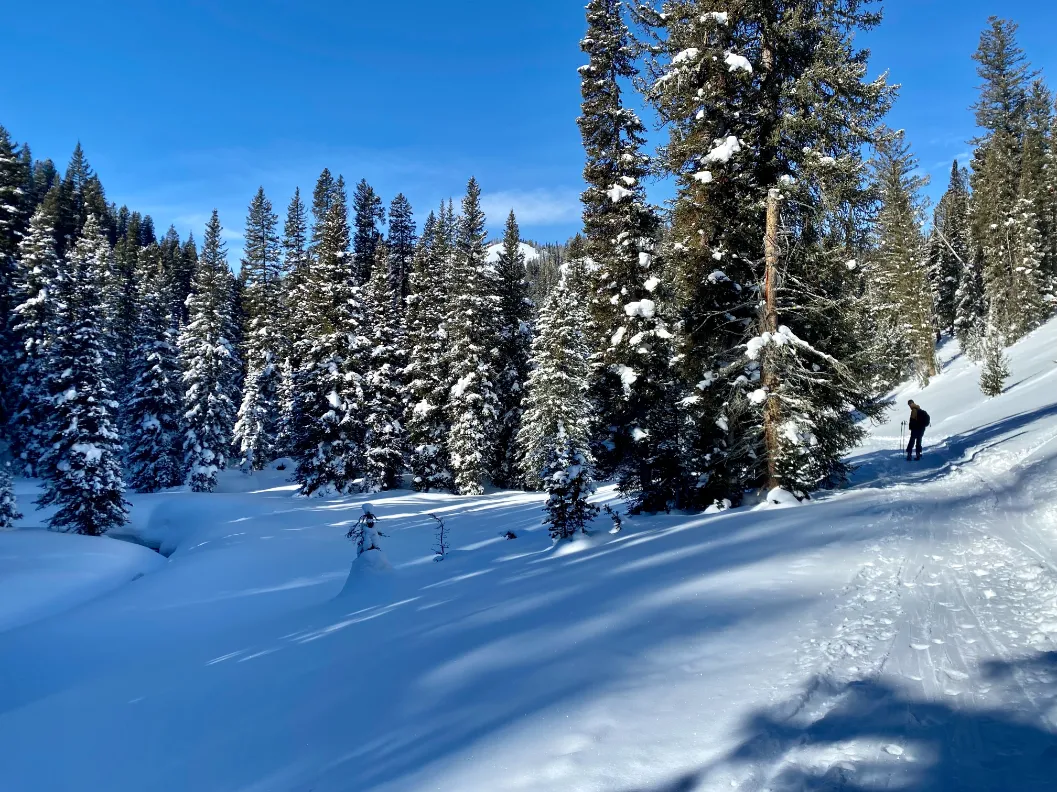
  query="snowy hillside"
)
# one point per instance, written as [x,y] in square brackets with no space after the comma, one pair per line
[901,634]
[492,252]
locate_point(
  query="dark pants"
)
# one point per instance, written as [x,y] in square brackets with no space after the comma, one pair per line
[915,439]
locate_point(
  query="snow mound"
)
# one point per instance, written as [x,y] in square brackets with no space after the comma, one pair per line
[492,252]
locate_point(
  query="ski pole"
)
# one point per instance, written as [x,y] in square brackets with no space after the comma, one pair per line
[902,427]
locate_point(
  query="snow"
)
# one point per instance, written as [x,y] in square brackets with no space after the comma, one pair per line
[737,62]
[719,17]
[898,634]
[703,177]
[686,56]
[492,252]
[643,308]
[618,193]
[723,149]
[651,284]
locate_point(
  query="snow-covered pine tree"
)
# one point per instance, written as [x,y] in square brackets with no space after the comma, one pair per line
[635,387]
[119,304]
[902,300]
[1006,226]
[13,178]
[9,512]
[294,269]
[82,461]
[34,294]
[153,409]
[512,366]
[368,213]
[328,416]
[210,365]
[995,370]
[323,196]
[401,242]
[950,247]
[471,321]
[79,194]
[425,374]
[970,322]
[554,436]
[795,164]
[386,359]
[260,414]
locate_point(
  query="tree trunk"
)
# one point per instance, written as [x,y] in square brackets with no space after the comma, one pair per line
[769,377]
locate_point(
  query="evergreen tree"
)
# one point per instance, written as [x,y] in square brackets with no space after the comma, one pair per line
[515,340]
[554,439]
[295,267]
[9,512]
[635,387]
[971,319]
[119,304]
[384,442]
[322,199]
[13,177]
[369,212]
[770,113]
[153,409]
[82,465]
[401,243]
[473,405]
[902,297]
[260,415]
[210,365]
[995,369]
[327,412]
[950,247]
[426,374]
[34,296]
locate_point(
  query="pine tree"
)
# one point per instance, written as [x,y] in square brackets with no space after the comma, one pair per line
[995,369]
[426,375]
[13,178]
[260,415]
[401,243]
[34,299]
[950,247]
[971,319]
[902,298]
[515,340]
[554,437]
[9,512]
[635,387]
[210,365]
[369,212]
[470,324]
[771,186]
[323,197]
[384,442]
[327,411]
[119,304]
[295,267]
[153,409]
[82,464]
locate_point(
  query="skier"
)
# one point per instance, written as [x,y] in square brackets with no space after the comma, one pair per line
[919,422]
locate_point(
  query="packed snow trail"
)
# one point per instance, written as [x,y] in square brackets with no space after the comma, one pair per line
[900,634]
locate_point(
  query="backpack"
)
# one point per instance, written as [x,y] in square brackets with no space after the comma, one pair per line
[923,416]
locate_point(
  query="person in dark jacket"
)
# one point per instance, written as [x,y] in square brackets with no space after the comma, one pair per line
[919,422]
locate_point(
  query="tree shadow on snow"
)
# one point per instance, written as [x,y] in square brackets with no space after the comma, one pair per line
[872,735]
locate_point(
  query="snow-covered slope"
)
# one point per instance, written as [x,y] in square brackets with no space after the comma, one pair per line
[492,252]
[900,634]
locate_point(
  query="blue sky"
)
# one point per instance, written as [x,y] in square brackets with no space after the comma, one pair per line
[183,106]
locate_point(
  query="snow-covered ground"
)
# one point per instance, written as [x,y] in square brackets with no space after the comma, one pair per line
[900,634]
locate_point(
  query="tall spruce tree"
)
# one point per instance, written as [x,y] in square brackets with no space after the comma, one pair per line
[902,301]
[260,414]
[369,212]
[13,180]
[295,267]
[327,410]
[34,299]
[771,110]
[635,388]
[473,405]
[401,241]
[385,438]
[426,375]
[515,341]
[82,461]
[950,247]
[154,405]
[210,365]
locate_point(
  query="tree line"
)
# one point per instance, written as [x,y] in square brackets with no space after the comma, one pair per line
[731,342]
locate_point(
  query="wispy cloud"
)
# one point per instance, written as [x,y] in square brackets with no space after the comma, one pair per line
[538,207]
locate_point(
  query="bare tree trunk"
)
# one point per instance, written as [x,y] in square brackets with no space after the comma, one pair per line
[769,377]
